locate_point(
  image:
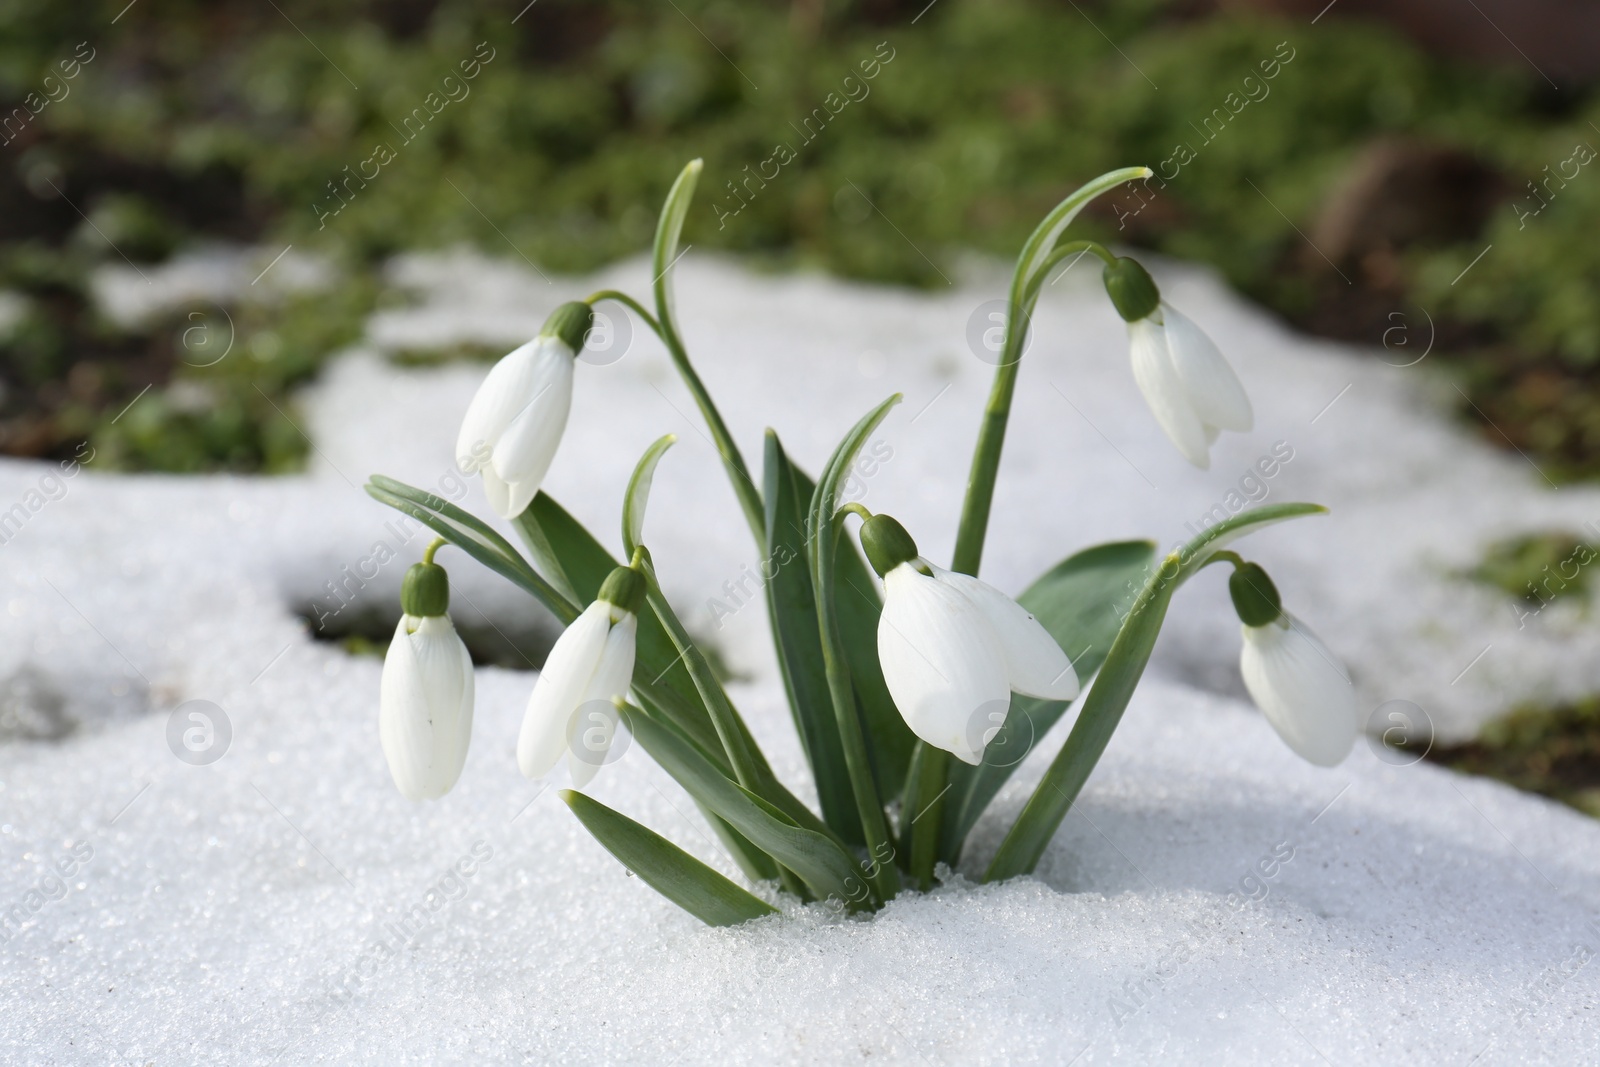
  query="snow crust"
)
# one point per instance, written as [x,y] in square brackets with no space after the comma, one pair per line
[1210,896]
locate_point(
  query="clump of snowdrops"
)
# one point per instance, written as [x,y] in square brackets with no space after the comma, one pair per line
[885,686]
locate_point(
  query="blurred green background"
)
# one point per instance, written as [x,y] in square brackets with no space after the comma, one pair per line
[1354,185]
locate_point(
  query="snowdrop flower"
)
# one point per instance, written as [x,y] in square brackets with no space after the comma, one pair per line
[571,709]
[1189,386]
[953,649]
[514,423]
[1291,675]
[425,696]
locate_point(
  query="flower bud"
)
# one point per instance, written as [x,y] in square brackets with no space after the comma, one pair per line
[1133,292]
[425,591]
[625,588]
[887,544]
[570,322]
[1255,598]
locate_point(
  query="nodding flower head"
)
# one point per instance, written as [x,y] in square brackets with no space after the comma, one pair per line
[1191,389]
[514,424]
[954,649]
[425,697]
[1293,677]
[572,708]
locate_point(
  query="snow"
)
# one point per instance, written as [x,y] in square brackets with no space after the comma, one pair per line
[1209,896]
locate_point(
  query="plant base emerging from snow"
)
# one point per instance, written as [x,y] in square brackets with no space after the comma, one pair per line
[884,687]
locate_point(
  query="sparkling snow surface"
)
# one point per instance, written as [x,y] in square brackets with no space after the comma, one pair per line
[1209,897]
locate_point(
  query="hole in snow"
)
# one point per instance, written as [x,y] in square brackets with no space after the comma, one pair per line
[364,627]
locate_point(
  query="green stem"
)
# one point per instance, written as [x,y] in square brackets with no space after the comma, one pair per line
[723,716]
[1071,248]
[435,545]
[874,828]
[1039,253]
[927,819]
[732,460]
[626,301]
[974,526]
[730,731]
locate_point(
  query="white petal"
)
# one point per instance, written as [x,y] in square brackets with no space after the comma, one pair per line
[425,707]
[1214,390]
[503,393]
[942,663]
[596,725]
[1035,664]
[563,681]
[1164,391]
[498,492]
[1301,689]
[523,454]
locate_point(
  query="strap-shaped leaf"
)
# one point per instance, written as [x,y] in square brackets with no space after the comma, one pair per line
[665,867]
[659,678]
[792,610]
[824,866]
[668,229]
[638,494]
[473,537]
[858,607]
[822,551]
[1048,232]
[1080,601]
[1198,552]
[1102,712]
[1113,688]
[787,491]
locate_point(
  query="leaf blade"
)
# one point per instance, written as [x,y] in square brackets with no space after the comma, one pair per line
[792,612]
[638,494]
[1102,710]
[665,867]
[821,863]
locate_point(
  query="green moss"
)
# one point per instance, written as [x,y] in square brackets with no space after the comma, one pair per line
[228,402]
[218,120]
[461,351]
[1538,567]
[1554,751]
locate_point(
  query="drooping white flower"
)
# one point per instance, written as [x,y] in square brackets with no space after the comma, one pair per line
[1293,677]
[953,648]
[426,692]
[571,709]
[1301,689]
[1189,386]
[514,424]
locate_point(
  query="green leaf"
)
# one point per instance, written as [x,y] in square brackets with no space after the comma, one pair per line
[1198,552]
[665,867]
[586,564]
[822,551]
[822,863]
[1102,710]
[668,229]
[792,610]
[858,607]
[1101,713]
[638,494]
[659,678]
[1080,602]
[1048,232]
[790,599]
[473,537]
